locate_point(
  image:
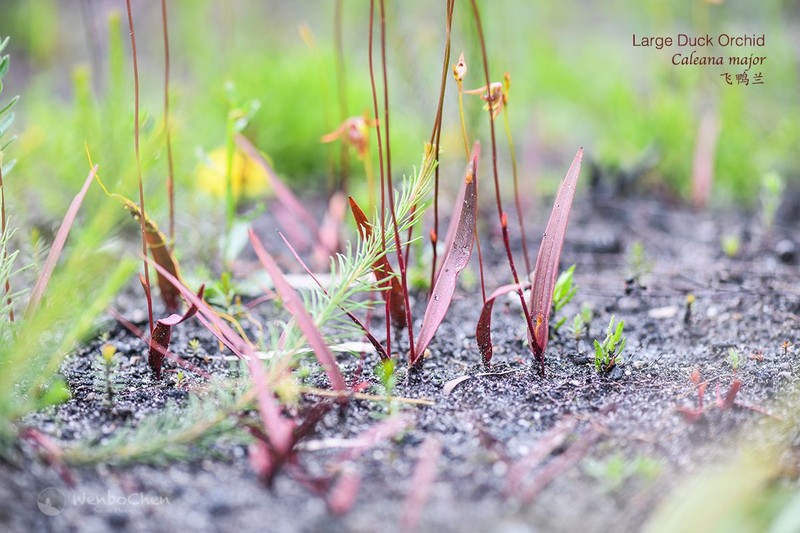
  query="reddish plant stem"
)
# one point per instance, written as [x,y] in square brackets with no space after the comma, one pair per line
[480,255]
[517,202]
[401,263]
[436,135]
[382,170]
[3,232]
[171,168]
[139,166]
[341,89]
[501,214]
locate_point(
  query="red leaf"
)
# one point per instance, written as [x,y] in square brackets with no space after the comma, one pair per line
[387,280]
[455,260]
[343,493]
[703,166]
[567,459]
[451,228]
[162,333]
[541,450]
[483,332]
[58,245]
[370,438]
[546,270]
[689,414]
[730,398]
[293,304]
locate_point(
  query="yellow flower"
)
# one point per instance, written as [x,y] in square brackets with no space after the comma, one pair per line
[249,179]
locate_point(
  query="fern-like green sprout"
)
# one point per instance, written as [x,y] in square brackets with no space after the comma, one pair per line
[608,353]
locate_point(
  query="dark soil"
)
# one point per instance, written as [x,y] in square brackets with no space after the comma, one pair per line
[490,421]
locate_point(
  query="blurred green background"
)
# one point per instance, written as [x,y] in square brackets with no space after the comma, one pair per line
[576,81]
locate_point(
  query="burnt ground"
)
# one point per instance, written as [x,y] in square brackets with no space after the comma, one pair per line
[638,446]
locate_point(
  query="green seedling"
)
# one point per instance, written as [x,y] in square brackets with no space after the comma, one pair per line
[194,345]
[105,367]
[772,186]
[734,358]
[385,372]
[564,292]
[731,245]
[608,353]
[581,322]
[639,265]
[224,294]
[617,470]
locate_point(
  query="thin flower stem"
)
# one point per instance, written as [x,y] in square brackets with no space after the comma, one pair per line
[517,202]
[370,174]
[480,257]
[170,165]
[401,263]
[461,114]
[436,135]
[146,277]
[380,166]
[500,212]
[341,89]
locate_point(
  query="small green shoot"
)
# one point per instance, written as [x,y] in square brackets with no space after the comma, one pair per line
[224,294]
[563,293]
[731,245]
[581,322]
[639,265]
[617,470]
[194,345]
[608,353]
[734,358]
[385,372]
[772,186]
[105,367]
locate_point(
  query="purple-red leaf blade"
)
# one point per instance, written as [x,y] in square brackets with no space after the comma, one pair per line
[387,280]
[162,334]
[483,331]
[455,260]
[546,269]
[58,245]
